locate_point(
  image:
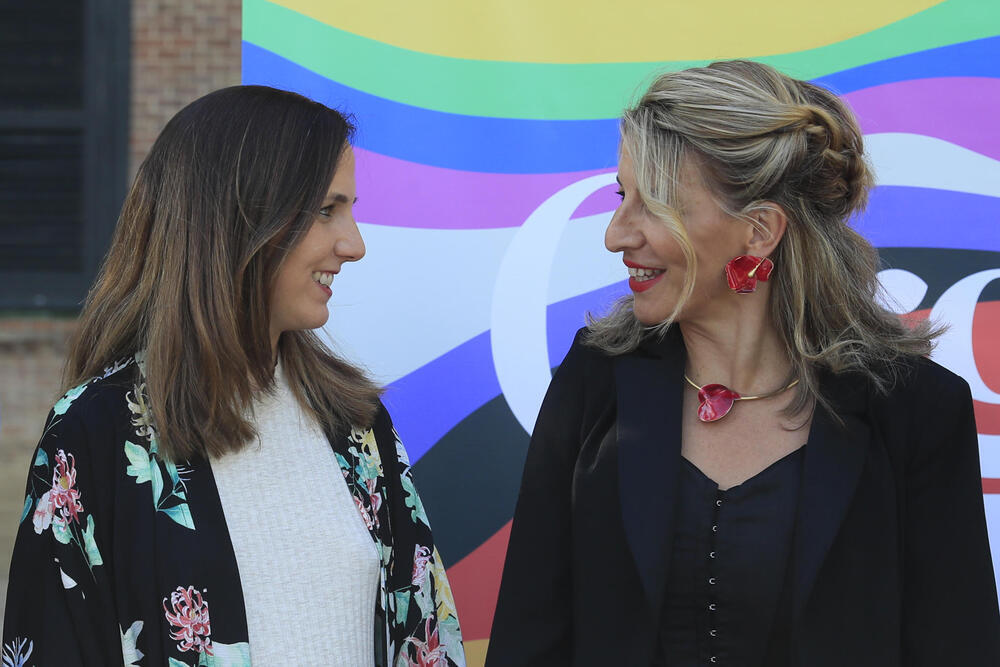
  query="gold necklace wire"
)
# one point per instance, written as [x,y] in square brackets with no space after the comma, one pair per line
[749,398]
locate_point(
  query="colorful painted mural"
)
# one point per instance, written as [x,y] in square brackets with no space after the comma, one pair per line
[486,151]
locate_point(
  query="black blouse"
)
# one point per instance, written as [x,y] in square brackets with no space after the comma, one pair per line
[728,565]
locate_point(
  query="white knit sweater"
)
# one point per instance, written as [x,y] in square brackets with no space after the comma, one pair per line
[308,565]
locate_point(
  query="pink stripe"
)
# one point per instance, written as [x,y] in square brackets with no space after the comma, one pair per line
[398,193]
[962,110]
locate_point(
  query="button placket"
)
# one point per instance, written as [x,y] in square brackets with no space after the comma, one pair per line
[713,633]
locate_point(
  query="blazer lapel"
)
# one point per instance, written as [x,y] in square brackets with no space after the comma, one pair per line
[834,459]
[649,428]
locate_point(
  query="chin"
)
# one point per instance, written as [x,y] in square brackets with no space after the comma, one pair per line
[314,322]
[650,317]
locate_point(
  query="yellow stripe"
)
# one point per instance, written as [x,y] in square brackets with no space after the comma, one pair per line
[475,652]
[595,31]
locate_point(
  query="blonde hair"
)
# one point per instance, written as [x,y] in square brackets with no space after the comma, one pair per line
[758,136]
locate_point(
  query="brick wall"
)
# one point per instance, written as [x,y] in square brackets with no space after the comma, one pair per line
[181,49]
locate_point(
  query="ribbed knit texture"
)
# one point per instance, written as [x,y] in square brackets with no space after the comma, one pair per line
[308,565]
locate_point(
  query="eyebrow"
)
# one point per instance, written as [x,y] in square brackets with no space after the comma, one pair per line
[338,198]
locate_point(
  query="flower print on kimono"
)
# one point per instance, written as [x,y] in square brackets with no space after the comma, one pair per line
[362,473]
[189,620]
[60,508]
[145,464]
[17,652]
[424,653]
[191,628]
[369,510]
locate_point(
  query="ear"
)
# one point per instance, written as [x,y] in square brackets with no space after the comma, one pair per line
[770,222]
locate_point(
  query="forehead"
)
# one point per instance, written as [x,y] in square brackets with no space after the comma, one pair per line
[343,175]
[673,180]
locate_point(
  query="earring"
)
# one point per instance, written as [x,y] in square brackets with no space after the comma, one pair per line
[743,272]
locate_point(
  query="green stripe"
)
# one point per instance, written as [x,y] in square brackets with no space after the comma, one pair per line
[545,91]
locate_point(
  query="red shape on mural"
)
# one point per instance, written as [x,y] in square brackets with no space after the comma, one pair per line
[475,583]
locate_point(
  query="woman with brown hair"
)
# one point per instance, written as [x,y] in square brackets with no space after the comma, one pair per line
[748,461]
[216,487]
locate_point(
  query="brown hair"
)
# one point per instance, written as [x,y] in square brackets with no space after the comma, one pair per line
[759,136]
[229,187]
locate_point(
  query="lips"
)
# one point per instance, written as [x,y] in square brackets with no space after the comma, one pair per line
[323,280]
[642,278]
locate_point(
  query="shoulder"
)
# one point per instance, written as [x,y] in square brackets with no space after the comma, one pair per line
[96,406]
[928,412]
[584,360]
[583,384]
[924,387]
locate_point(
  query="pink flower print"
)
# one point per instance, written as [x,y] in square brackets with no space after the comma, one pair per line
[374,498]
[43,513]
[429,653]
[65,497]
[421,557]
[365,514]
[189,617]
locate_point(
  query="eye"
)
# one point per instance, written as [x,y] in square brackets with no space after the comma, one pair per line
[326,211]
[621,194]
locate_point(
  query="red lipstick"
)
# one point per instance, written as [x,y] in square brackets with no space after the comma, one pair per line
[638,286]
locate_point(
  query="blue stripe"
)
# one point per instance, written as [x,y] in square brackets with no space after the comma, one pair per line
[980,58]
[902,217]
[454,141]
[517,146]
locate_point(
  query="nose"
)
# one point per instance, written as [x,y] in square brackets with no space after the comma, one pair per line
[350,247]
[621,233]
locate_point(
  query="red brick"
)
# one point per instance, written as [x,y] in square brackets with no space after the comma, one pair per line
[182,49]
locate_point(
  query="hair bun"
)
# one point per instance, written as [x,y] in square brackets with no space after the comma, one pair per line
[835,176]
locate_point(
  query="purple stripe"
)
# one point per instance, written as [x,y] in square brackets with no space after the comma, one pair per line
[398,193]
[603,201]
[961,110]
[899,217]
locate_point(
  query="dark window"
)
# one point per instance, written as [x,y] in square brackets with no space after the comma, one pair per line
[64,69]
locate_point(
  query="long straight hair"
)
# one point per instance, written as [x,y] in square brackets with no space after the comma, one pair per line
[229,187]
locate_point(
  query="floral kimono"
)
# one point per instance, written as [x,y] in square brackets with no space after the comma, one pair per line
[123,557]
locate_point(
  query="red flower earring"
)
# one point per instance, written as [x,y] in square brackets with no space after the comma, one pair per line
[743,272]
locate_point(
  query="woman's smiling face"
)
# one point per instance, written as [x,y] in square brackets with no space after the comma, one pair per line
[655,257]
[302,287]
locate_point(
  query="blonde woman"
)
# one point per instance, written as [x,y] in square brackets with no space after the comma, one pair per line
[748,461]
[215,487]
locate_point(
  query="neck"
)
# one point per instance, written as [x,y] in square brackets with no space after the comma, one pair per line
[740,349]
[274,346]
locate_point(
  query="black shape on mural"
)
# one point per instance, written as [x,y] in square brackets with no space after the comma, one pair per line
[469,480]
[941,268]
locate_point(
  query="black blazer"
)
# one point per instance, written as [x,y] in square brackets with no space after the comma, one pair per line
[890,563]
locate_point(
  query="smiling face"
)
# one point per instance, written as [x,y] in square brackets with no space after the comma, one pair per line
[655,257]
[302,287]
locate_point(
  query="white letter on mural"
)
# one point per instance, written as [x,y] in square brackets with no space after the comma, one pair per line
[520,298]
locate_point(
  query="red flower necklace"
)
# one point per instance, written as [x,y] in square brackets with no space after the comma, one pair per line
[716,400]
